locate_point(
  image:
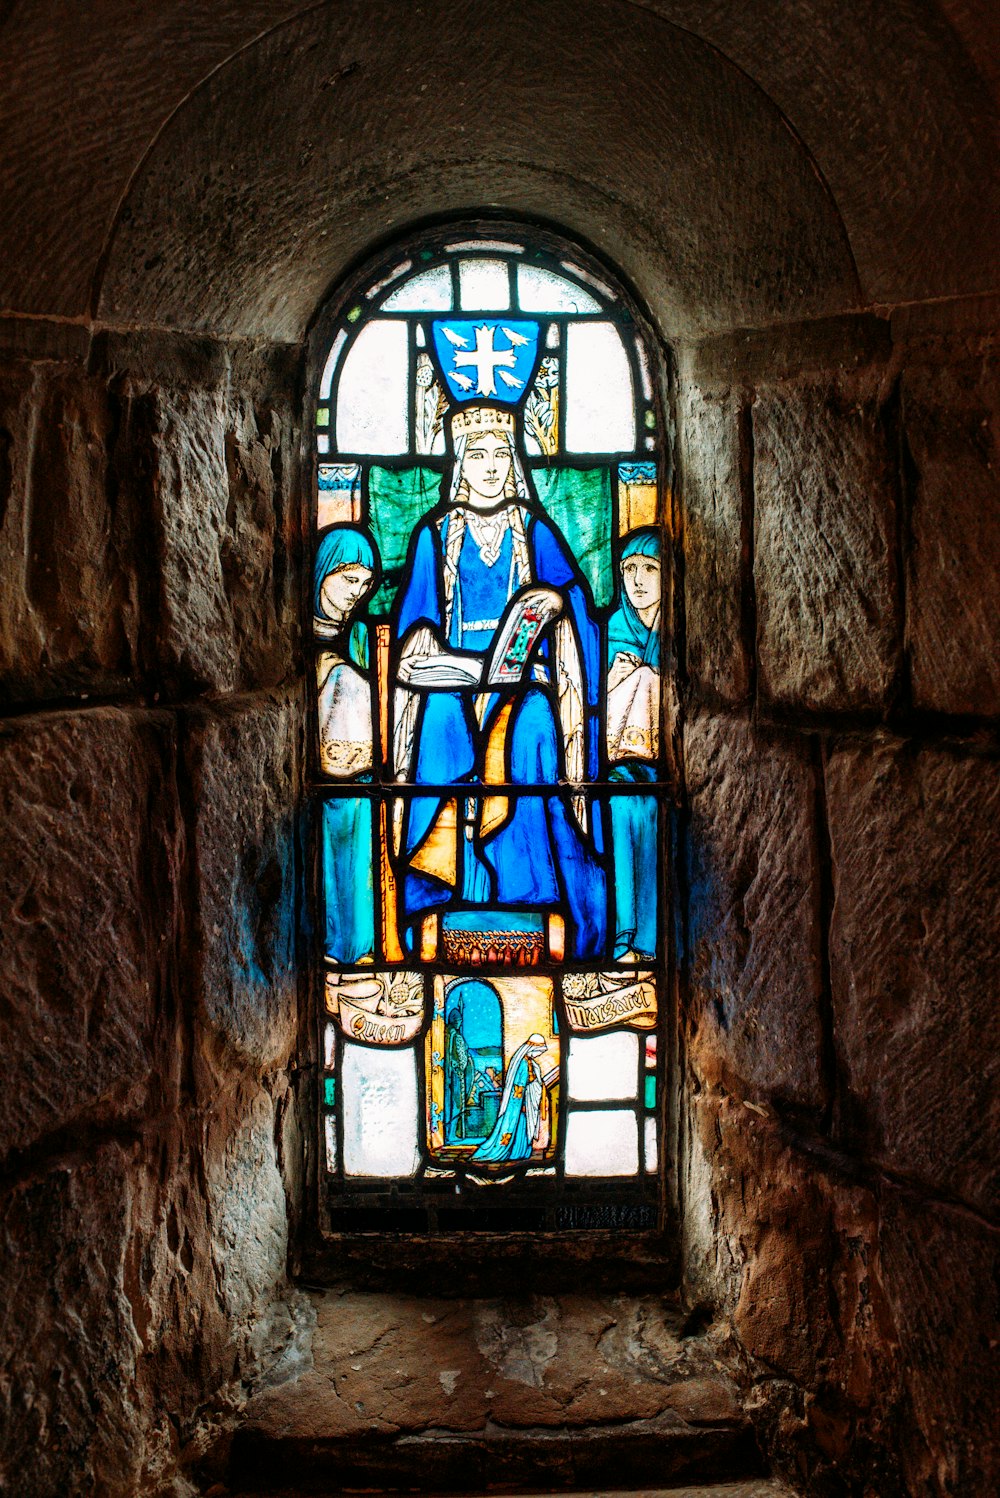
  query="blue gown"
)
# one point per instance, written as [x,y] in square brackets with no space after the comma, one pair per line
[633,818]
[538,859]
[509,1139]
[346,854]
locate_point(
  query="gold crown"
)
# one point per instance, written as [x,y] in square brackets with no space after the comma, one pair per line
[469,419]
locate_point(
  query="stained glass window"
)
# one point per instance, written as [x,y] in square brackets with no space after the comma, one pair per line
[489,617]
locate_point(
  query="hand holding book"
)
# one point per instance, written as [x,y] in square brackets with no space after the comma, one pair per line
[526,615]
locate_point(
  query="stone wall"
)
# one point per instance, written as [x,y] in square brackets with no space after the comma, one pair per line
[839,517]
[838,534]
[150,1158]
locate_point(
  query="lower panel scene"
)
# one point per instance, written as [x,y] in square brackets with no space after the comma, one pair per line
[447,1097]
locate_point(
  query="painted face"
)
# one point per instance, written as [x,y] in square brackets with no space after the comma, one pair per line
[641,576]
[486,466]
[343,590]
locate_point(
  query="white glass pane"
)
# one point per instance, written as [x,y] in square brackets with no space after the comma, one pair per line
[379,1093]
[650,1143]
[590,280]
[600,414]
[647,384]
[603,1067]
[330,1047]
[333,358]
[484,285]
[604,1142]
[393,275]
[428,292]
[371,406]
[331,1141]
[486,244]
[541,290]
[322,443]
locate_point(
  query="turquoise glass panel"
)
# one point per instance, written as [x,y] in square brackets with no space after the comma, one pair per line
[346,857]
[633,841]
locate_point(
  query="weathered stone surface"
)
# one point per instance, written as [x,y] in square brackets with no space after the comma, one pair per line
[214,471]
[914,961]
[234,261]
[753,934]
[942,1281]
[247,1222]
[88,888]
[243,764]
[825,567]
[394,1363]
[952,424]
[753,1488]
[539,1385]
[792,1252]
[714,472]
[68,612]
[71,1420]
[142,1294]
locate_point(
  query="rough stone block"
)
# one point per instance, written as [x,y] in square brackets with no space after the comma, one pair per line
[530,1385]
[914,961]
[753,882]
[243,765]
[87,886]
[68,612]
[71,1418]
[142,1296]
[940,1268]
[791,1252]
[825,565]
[215,472]
[246,1218]
[715,460]
[952,424]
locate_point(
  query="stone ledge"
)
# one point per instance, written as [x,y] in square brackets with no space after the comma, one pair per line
[450,1461]
[755,1488]
[538,1391]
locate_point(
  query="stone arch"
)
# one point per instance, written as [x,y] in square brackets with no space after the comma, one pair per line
[367,126]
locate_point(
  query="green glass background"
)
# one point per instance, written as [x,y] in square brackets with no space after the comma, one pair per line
[578,500]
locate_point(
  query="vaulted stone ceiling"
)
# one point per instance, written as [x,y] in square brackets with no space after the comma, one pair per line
[216,166]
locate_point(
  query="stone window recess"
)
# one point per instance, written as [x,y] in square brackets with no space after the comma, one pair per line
[490,602]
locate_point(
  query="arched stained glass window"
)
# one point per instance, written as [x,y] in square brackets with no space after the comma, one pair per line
[489,615]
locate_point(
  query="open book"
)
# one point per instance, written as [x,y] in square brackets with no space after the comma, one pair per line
[525,617]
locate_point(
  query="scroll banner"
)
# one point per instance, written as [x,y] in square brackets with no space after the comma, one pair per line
[632,1004]
[377,1009]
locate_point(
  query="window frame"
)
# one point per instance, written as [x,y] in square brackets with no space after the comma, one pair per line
[471,1249]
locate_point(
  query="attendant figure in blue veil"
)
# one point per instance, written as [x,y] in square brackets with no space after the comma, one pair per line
[482,567]
[347,570]
[633,741]
[517,1126]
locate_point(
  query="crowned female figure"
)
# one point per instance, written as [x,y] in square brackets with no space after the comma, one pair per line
[497,671]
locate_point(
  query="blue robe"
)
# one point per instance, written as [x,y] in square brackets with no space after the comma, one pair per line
[538,858]
[633,818]
[509,1139]
[346,853]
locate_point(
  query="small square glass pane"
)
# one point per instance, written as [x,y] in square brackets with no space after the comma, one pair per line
[602,1142]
